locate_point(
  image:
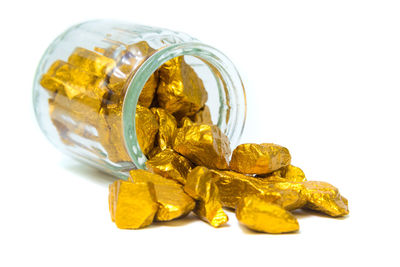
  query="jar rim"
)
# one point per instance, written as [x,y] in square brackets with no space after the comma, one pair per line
[233,87]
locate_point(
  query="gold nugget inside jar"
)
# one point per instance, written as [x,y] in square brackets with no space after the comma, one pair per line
[114,94]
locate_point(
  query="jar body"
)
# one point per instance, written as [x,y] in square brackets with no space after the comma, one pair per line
[91,78]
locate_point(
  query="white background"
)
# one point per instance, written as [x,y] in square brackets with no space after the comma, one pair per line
[322,78]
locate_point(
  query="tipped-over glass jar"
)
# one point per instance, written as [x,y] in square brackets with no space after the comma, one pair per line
[91,78]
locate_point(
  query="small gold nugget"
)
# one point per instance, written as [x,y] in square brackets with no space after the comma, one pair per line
[290,173]
[325,198]
[172,200]
[204,145]
[132,205]
[90,61]
[146,128]
[203,116]
[200,186]
[185,121]
[171,165]
[260,215]
[259,158]
[167,129]
[180,91]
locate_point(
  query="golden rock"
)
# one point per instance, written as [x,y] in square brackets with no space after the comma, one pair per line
[74,83]
[172,200]
[259,158]
[146,128]
[167,128]
[149,90]
[290,173]
[180,91]
[291,194]
[111,135]
[132,205]
[263,216]
[203,116]
[156,149]
[204,145]
[185,121]
[91,62]
[325,198]
[201,187]
[171,165]
[235,186]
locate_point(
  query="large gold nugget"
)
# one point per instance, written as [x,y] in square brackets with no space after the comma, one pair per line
[204,145]
[75,83]
[133,205]
[111,135]
[203,116]
[172,200]
[148,91]
[260,215]
[289,173]
[234,186]
[171,165]
[200,186]
[90,61]
[167,129]
[180,91]
[259,159]
[325,198]
[146,128]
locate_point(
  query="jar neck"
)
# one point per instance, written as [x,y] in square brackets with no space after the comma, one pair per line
[232,97]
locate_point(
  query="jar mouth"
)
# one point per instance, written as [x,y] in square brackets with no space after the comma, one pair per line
[232,116]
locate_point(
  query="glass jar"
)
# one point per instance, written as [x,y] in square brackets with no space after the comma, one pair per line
[89,111]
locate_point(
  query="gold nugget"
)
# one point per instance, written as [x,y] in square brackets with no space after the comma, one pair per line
[180,91]
[325,198]
[204,145]
[185,121]
[289,173]
[167,129]
[234,186]
[172,200]
[203,116]
[90,61]
[146,128]
[200,186]
[260,215]
[171,165]
[74,83]
[259,159]
[132,205]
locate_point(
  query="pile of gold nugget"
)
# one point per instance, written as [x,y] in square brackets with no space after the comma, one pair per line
[190,164]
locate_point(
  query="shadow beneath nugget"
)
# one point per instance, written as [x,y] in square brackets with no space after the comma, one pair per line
[306,213]
[87,172]
[190,218]
[248,231]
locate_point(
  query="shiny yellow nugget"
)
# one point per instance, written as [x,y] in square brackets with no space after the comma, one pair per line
[204,145]
[263,216]
[172,201]
[201,187]
[180,91]
[324,197]
[259,158]
[171,165]
[146,128]
[167,128]
[132,205]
